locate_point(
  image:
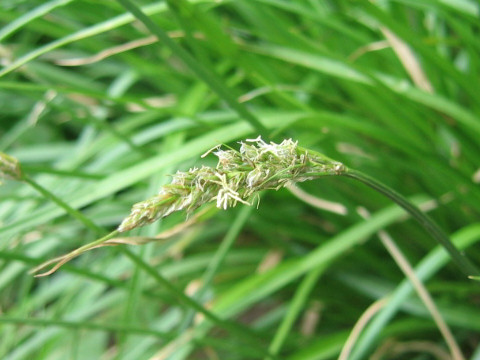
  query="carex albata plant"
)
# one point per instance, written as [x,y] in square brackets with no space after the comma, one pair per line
[237,178]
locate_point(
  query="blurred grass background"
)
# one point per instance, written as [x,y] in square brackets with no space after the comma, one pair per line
[100,112]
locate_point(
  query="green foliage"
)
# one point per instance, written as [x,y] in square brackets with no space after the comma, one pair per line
[99,114]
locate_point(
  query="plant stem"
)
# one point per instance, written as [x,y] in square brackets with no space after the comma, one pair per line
[244,333]
[432,228]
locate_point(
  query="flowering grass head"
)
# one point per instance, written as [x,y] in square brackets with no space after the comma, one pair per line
[237,177]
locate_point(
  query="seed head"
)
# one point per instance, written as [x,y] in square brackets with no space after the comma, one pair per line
[9,168]
[237,177]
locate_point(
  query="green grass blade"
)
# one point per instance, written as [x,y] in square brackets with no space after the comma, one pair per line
[205,74]
[39,11]
[426,268]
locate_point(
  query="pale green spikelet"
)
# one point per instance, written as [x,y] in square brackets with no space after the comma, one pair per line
[9,168]
[237,177]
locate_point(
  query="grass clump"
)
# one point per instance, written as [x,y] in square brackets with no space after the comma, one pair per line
[100,107]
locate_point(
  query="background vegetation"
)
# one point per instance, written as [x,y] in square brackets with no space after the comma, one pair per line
[99,113]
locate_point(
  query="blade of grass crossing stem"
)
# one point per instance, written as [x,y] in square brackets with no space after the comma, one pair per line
[296,306]
[426,268]
[218,259]
[207,75]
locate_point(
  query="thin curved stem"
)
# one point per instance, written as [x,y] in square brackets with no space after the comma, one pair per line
[59,261]
[432,228]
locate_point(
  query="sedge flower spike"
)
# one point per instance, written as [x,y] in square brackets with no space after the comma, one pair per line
[237,177]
